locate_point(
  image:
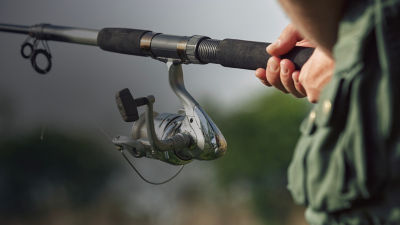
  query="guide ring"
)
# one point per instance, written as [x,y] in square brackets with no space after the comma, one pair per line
[24,47]
[34,63]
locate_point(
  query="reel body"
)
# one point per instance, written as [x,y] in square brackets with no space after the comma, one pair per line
[172,138]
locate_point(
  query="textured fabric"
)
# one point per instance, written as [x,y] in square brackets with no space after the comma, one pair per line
[346,166]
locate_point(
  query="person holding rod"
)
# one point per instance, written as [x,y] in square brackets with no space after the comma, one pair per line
[346,165]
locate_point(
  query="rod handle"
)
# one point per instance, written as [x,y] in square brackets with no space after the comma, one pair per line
[246,54]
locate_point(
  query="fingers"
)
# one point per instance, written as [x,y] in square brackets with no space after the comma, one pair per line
[260,74]
[286,41]
[281,75]
[296,80]
[286,75]
[273,73]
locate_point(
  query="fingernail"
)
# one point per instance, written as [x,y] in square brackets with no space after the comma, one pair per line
[276,44]
[258,73]
[273,66]
[284,69]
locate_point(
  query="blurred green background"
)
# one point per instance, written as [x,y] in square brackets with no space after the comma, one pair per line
[65,177]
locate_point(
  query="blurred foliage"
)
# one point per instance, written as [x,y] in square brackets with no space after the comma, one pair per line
[60,171]
[64,177]
[261,139]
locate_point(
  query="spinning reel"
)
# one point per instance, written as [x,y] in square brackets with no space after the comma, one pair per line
[172,138]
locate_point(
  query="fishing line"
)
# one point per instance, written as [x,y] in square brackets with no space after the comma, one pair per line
[146,180]
[130,162]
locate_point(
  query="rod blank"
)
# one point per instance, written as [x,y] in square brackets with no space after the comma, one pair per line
[18,29]
[55,33]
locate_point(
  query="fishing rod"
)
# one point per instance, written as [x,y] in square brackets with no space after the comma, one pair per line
[173,138]
[195,49]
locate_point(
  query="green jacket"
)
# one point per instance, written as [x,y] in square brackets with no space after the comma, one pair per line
[346,166]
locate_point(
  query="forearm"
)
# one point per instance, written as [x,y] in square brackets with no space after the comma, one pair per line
[317,20]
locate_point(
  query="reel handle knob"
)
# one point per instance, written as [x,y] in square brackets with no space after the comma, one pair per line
[127,105]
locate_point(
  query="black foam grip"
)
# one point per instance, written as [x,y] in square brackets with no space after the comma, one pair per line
[252,55]
[121,40]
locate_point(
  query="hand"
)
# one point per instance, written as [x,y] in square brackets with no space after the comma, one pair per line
[281,74]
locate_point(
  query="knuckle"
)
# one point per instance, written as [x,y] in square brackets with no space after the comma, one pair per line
[312,99]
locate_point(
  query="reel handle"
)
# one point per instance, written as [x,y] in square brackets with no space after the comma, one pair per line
[127,105]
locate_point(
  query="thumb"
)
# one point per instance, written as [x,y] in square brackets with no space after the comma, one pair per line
[286,41]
